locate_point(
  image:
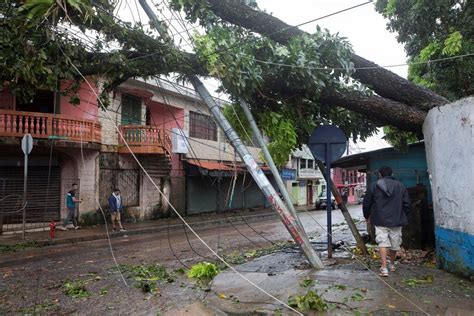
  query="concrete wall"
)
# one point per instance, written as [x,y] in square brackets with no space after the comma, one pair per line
[167,117]
[85,173]
[87,109]
[449,137]
[109,119]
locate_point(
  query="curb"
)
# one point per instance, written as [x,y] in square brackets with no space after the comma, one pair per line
[148,230]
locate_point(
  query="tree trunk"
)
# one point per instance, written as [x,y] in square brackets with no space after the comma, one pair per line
[384,82]
[377,109]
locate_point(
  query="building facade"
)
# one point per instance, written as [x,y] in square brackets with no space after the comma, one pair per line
[350,182]
[308,182]
[101,150]
[66,146]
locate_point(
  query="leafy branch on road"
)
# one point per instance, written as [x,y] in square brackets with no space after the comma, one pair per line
[76,289]
[146,276]
[310,301]
[203,270]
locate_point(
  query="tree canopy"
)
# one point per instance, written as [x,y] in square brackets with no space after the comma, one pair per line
[309,79]
[435,29]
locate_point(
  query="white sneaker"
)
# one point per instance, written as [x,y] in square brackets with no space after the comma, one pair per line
[77,227]
[391,267]
[123,230]
[62,228]
[383,272]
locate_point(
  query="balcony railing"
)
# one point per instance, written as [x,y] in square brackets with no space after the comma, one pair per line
[45,125]
[144,139]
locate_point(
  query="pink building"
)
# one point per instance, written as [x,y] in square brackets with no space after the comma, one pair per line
[67,142]
[350,182]
[103,149]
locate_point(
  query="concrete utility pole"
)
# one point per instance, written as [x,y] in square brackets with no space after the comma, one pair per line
[270,161]
[270,193]
[288,220]
[344,210]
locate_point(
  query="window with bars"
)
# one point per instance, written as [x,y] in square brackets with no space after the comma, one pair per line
[202,126]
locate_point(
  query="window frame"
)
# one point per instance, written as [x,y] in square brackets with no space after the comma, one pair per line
[135,116]
[202,126]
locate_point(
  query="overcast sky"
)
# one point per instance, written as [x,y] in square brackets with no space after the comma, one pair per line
[363,26]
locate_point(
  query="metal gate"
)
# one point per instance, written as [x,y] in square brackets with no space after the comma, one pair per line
[126,180]
[43,200]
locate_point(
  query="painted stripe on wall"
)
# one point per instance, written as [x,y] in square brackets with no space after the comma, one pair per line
[455,251]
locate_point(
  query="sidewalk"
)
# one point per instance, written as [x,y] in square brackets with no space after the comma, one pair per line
[145,227]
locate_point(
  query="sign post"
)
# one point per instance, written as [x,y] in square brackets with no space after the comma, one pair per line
[26,147]
[328,143]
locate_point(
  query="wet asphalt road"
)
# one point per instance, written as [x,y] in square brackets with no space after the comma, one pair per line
[34,279]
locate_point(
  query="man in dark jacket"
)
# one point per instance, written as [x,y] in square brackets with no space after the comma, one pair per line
[387,207]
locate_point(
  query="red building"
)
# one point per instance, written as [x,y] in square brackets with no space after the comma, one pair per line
[350,182]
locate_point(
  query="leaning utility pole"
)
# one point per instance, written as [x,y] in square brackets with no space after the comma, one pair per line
[288,220]
[244,105]
[270,193]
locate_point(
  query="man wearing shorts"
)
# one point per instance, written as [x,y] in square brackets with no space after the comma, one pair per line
[115,205]
[387,206]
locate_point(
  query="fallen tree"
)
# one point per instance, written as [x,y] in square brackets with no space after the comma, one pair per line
[309,95]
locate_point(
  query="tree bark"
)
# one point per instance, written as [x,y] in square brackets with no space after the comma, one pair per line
[384,82]
[377,109]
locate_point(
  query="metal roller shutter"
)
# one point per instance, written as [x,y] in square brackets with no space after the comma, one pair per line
[43,198]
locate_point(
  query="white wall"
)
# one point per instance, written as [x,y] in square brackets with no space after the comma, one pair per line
[449,138]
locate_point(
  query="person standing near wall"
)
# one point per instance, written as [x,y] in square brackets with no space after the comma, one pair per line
[387,206]
[71,203]
[115,205]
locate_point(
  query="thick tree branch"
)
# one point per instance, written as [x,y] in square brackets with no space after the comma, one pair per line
[384,82]
[148,61]
[377,109]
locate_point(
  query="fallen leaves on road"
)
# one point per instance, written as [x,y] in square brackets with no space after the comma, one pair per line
[417,256]
[418,281]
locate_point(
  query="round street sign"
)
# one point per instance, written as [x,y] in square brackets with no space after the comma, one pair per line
[27,144]
[327,135]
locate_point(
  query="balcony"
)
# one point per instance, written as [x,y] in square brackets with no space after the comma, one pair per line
[144,139]
[48,126]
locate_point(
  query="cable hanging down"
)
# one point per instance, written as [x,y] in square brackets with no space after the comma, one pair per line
[171,205]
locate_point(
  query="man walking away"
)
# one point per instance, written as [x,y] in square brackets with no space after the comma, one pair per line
[387,206]
[71,201]
[115,205]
